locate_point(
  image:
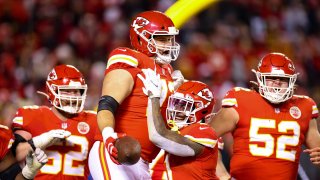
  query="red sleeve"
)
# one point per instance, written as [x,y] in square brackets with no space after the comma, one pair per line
[17,122]
[202,134]
[123,58]
[315,111]
[6,140]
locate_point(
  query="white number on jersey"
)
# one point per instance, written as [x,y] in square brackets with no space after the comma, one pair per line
[270,142]
[65,161]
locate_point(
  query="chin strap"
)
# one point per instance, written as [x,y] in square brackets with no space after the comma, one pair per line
[173,126]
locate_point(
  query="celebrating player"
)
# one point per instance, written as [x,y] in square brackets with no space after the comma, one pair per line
[192,152]
[64,130]
[122,107]
[269,123]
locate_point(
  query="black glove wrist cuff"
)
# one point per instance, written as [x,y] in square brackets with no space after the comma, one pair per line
[32,144]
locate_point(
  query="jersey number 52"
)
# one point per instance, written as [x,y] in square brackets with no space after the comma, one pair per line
[274,144]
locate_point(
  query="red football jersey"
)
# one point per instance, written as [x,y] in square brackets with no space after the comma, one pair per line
[268,137]
[202,166]
[158,166]
[68,159]
[7,139]
[131,115]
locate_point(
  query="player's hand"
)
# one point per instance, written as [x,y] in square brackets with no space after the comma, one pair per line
[178,78]
[49,138]
[109,139]
[152,83]
[314,155]
[34,162]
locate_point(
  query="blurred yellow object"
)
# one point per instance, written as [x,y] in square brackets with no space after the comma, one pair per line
[183,10]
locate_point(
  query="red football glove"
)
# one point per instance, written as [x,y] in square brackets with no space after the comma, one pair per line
[109,139]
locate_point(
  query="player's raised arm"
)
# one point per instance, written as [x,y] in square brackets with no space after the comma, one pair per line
[164,138]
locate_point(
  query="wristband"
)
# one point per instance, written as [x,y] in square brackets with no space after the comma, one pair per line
[32,144]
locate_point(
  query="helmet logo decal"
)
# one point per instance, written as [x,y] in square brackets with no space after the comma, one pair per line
[83,127]
[52,75]
[291,67]
[140,22]
[295,112]
[206,94]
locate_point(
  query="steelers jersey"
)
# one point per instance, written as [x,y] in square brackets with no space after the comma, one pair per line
[67,159]
[202,166]
[130,117]
[268,137]
[6,140]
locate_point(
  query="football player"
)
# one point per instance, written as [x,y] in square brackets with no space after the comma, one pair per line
[191,146]
[122,106]
[9,167]
[64,130]
[269,123]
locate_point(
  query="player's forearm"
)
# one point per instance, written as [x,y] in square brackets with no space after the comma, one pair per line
[22,150]
[221,171]
[20,177]
[161,136]
[105,118]
[313,136]
[157,117]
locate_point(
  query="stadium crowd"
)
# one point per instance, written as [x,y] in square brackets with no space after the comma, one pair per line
[219,46]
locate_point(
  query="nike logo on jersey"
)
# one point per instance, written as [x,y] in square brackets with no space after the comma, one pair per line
[203,128]
[124,50]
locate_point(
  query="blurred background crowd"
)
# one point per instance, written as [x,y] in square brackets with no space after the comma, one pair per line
[220,45]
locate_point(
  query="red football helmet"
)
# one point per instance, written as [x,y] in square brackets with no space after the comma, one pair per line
[66,78]
[145,26]
[190,103]
[276,66]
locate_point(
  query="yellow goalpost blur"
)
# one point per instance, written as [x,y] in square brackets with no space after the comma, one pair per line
[182,10]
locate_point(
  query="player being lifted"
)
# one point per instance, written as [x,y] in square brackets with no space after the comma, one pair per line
[269,124]
[122,106]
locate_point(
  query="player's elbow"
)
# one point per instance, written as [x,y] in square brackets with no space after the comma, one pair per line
[156,138]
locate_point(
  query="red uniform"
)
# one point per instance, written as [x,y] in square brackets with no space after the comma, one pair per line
[158,166]
[6,140]
[131,116]
[268,137]
[202,166]
[68,159]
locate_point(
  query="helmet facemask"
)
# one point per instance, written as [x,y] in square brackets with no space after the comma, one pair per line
[66,101]
[273,94]
[181,111]
[164,53]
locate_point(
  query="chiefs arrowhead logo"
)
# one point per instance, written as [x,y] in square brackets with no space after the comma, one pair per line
[52,75]
[140,22]
[206,94]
